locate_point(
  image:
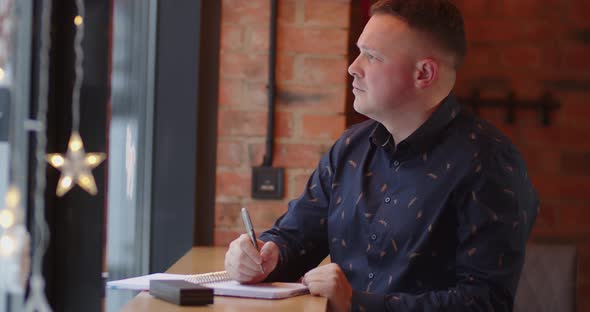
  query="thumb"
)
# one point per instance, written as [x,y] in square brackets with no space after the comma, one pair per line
[268,251]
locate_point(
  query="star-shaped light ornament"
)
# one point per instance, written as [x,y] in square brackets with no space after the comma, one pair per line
[76,166]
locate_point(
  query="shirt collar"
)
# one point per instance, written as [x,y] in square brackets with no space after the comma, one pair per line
[424,136]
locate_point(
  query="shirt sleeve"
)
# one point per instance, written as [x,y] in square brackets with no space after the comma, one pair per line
[495,209]
[301,233]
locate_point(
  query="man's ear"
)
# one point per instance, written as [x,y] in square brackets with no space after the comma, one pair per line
[426,73]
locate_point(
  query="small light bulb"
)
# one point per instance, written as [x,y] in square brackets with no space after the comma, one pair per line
[7,245]
[6,218]
[78,20]
[84,179]
[12,197]
[66,182]
[92,160]
[75,144]
[56,160]
[1,74]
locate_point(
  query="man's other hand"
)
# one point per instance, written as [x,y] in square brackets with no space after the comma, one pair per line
[329,281]
[242,260]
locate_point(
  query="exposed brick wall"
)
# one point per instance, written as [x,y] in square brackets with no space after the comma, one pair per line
[528,46]
[531,47]
[312,57]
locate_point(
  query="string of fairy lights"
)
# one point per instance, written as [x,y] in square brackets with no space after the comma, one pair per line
[75,165]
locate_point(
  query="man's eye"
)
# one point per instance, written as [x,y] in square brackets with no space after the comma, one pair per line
[370,57]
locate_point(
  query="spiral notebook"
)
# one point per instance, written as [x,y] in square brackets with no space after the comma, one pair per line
[221,283]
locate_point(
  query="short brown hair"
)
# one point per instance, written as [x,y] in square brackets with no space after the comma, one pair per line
[438,19]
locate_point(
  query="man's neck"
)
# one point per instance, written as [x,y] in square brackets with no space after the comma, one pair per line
[407,119]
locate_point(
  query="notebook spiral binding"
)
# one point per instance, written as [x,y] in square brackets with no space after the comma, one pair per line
[212,277]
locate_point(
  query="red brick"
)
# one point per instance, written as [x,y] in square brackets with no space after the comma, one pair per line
[232,37]
[298,155]
[224,237]
[521,57]
[479,8]
[547,215]
[575,214]
[285,68]
[241,123]
[256,154]
[288,155]
[234,183]
[229,153]
[256,38]
[491,30]
[312,40]
[543,31]
[481,56]
[230,92]
[283,125]
[532,8]
[576,163]
[542,161]
[327,13]
[576,57]
[323,71]
[286,11]
[238,65]
[579,15]
[265,213]
[227,215]
[245,12]
[527,88]
[323,126]
[561,187]
[294,97]
[574,110]
[556,137]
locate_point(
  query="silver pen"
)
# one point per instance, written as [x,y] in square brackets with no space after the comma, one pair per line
[250,230]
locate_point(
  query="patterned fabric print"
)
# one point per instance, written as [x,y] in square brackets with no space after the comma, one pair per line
[437,221]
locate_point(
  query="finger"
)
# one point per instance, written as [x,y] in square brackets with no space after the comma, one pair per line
[247,263]
[249,249]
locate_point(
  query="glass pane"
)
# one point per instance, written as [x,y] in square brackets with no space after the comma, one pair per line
[130,147]
[15,58]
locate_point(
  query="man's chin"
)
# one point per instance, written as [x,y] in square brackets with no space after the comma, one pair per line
[360,107]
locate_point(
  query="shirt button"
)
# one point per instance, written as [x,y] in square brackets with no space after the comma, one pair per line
[387,199]
[373,236]
[396,163]
[371,275]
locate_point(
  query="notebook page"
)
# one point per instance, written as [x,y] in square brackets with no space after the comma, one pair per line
[142,282]
[262,290]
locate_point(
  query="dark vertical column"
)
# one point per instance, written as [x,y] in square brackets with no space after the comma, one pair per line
[208,86]
[73,263]
[175,131]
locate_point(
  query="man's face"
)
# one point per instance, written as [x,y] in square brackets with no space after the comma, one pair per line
[384,71]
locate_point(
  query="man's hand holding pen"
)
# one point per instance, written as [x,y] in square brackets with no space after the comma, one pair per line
[249,260]
[243,261]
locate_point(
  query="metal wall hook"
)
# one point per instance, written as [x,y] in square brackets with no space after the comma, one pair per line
[545,105]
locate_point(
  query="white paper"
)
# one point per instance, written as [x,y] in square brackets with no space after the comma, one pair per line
[226,288]
[142,282]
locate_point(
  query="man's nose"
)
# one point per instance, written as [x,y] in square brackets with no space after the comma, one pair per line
[354,69]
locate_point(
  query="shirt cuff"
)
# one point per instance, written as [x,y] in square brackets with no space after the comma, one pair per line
[364,301]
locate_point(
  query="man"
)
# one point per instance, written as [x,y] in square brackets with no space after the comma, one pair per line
[422,208]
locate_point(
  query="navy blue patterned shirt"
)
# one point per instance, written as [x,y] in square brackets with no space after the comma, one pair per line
[437,222]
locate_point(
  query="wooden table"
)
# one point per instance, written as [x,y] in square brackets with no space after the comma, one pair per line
[208,259]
